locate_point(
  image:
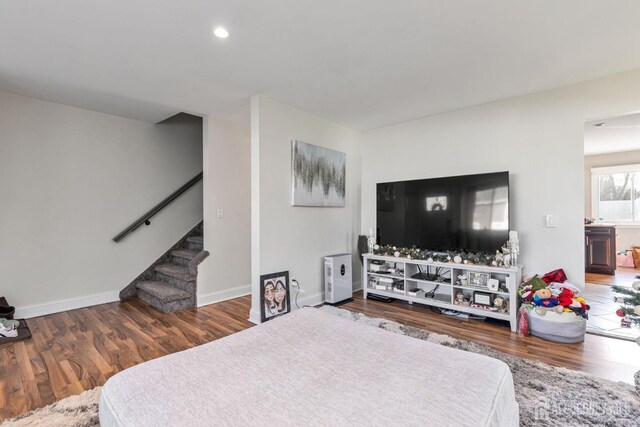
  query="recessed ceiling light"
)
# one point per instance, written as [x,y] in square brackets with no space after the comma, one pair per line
[220,32]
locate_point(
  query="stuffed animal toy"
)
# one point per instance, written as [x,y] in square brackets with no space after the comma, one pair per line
[544,298]
[565,299]
[543,310]
[500,304]
[461,299]
[526,293]
[557,288]
[580,307]
[544,301]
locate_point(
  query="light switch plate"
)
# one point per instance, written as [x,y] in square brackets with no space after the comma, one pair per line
[551,221]
[219,213]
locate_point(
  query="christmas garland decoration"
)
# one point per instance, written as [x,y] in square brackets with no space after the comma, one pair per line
[460,257]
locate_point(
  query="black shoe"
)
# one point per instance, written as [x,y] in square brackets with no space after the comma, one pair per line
[7,311]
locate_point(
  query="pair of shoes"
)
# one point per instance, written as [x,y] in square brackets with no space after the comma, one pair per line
[11,332]
[9,323]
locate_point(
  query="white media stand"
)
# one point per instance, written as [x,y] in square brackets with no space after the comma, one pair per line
[447,290]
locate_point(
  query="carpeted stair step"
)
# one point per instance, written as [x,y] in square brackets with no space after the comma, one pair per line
[177,276]
[183,256]
[195,243]
[162,291]
[165,297]
[169,283]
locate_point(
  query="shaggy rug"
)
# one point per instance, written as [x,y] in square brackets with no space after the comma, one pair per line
[547,396]
[73,411]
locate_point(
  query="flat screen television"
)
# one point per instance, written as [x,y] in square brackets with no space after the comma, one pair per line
[469,212]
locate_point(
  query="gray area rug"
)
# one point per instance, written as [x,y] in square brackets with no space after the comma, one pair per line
[73,411]
[548,396]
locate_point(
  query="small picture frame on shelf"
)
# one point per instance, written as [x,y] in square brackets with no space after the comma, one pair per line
[478,279]
[483,298]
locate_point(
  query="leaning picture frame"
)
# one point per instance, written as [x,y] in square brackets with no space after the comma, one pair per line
[275,296]
[478,279]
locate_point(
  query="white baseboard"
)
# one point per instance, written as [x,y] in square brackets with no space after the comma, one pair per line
[219,296]
[36,310]
[313,300]
[254,317]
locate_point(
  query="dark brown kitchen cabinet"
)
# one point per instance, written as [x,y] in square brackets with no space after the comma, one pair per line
[600,249]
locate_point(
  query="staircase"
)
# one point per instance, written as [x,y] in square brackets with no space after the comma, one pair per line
[169,284]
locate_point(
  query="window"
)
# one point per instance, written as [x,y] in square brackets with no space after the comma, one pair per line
[615,194]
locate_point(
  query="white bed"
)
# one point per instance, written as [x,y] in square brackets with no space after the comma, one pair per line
[313,368]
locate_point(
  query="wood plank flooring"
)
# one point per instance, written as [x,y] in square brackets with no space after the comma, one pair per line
[80,349]
[624,277]
[609,358]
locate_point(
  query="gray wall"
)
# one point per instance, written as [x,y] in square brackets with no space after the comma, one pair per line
[227,184]
[70,180]
[294,238]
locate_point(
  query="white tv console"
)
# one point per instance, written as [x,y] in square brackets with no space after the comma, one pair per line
[446,292]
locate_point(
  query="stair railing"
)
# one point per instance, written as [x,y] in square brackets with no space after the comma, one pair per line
[145,219]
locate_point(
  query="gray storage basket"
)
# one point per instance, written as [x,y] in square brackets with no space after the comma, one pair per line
[558,327]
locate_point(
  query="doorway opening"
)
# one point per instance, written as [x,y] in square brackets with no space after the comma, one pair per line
[612,220]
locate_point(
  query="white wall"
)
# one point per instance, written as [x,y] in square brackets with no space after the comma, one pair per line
[70,180]
[627,235]
[538,138]
[291,238]
[226,273]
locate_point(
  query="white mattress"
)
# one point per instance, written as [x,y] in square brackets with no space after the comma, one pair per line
[313,368]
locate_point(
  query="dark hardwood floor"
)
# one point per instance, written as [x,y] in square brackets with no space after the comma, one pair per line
[80,349]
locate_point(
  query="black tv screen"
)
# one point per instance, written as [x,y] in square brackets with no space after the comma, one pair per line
[469,212]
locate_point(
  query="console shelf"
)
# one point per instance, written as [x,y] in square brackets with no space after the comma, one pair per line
[446,290]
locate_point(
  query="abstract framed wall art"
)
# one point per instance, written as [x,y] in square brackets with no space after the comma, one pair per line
[318,175]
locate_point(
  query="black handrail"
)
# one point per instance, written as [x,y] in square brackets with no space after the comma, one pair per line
[144,219]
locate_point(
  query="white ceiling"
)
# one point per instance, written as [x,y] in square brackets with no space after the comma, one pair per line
[615,134]
[361,63]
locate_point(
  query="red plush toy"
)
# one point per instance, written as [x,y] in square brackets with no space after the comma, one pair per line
[565,297]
